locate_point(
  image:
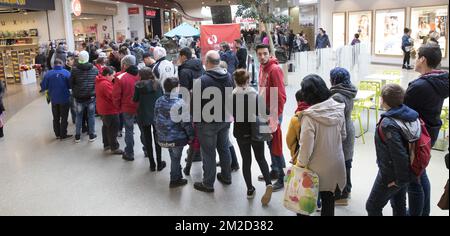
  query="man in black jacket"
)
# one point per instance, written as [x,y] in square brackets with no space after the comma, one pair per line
[83,88]
[426,95]
[241,54]
[189,69]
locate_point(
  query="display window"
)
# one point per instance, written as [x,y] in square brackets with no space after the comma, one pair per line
[430,23]
[338,31]
[389,25]
[360,23]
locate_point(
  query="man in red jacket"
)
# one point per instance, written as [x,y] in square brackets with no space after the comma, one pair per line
[123,93]
[109,112]
[271,78]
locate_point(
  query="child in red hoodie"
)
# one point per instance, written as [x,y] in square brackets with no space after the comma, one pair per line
[108,111]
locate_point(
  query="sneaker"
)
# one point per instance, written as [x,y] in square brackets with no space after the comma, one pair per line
[161,166]
[92,137]
[273,176]
[66,137]
[127,157]
[186,171]
[267,195]
[107,148]
[77,138]
[178,183]
[222,179]
[201,187]
[409,68]
[235,168]
[251,193]
[341,202]
[117,152]
[278,186]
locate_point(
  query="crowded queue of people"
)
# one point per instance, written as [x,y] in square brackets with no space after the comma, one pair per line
[151,91]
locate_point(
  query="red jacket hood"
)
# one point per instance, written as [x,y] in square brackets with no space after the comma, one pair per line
[272,62]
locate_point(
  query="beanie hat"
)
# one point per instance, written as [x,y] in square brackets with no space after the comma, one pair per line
[83,57]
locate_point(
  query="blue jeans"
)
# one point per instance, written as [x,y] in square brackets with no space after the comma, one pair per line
[80,106]
[278,162]
[381,195]
[419,196]
[175,160]
[214,136]
[129,133]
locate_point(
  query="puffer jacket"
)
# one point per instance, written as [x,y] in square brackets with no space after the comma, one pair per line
[163,69]
[399,126]
[345,94]
[189,71]
[322,132]
[426,95]
[83,81]
[169,132]
[145,94]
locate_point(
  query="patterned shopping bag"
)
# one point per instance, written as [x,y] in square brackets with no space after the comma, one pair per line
[301,190]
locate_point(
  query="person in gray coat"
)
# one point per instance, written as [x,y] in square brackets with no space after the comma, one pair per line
[343,91]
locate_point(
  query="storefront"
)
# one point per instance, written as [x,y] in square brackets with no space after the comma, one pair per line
[95,22]
[24,25]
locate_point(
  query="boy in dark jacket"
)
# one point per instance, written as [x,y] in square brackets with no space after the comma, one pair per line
[146,92]
[398,127]
[57,83]
[173,134]
[426,95]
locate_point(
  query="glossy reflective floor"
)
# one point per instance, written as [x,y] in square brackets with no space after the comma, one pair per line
[42,176]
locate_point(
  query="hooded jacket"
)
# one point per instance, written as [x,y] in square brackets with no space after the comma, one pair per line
[322,132]
[145,94]
[163,69]
[103,90]
[400,126]
[230,58]
[271,76]
[123,90]
[345,94]
[217,78]
[57,82]
[83,81]
[189,71]
[426,95]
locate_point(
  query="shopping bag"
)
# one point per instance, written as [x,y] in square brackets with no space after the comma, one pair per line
[301,190]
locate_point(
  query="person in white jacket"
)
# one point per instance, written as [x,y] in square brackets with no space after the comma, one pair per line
[163,68]
[322,132]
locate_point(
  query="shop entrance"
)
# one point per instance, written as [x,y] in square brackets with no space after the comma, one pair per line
[90,27]
[152,22]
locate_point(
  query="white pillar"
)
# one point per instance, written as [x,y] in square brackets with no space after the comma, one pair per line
[67,15]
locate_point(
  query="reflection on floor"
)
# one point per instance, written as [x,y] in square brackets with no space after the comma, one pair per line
[43,176]
[18,96]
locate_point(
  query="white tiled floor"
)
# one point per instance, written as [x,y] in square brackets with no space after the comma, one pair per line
[43,176]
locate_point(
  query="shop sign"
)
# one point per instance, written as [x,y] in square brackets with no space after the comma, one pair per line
[76,7]
[28,4]
[133,11]
[14,2]
[245,20]
[150,13]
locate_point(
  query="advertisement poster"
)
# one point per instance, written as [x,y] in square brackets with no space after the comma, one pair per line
[389,25]
[338,30]
[120,36]
[430,22]
[360,23]
[213,35]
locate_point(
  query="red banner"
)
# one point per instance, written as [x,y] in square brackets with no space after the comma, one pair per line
[212,35]
[133,11]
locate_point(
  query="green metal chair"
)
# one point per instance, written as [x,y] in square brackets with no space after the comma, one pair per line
[356,115]
[373,103]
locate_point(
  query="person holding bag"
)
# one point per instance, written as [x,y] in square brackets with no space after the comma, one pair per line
[322,130]
[249,133]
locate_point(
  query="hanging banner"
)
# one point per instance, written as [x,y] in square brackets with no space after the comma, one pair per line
[211,36]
